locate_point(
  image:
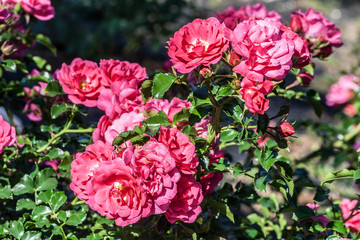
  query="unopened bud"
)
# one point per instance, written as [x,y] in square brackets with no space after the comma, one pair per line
[206,72]
[236,84]
[285,129]
[234,59]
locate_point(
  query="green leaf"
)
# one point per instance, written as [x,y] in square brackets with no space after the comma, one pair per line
[302,213]
[39,215]
[223,209]
[267,159]
[53,89]
[44,181]
[357,174]
[31,235]
[55,153]
[228,135]
[5,192]
[313,99]
[262,123]
[341,174]
[40,38]
[146,88]
[40,62]
[321,194]
[26,185]
[25,203]
[224,92]
[260,183]
[337,226]
[156,121]
[181,116]
[162,83]
[44,197]
[56,110]
[310,69]
[16,229]
[57,200]
[9,65]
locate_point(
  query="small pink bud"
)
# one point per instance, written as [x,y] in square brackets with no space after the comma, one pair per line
[285,129]
[206,72]
[234,59]
[305,78]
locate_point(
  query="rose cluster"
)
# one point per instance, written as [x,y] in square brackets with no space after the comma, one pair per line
[255,43]
[130,182]
[343,92]
[41,9]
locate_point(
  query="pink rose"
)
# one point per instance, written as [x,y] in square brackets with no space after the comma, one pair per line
[200,42]
[347,206]
[202,127]
[170,108]
[342,91]
[116,192]
[156,169]
[324,220]
[41,9]
[125,122]
[254,96]
[99,132]
[211,180]
[285,129]
[82,81]
[7,134]
[186,204]
[32,111]
[232,17]
[85,164]
[265,49]
[115,70]
[318,29]
[181,149]
[122,96]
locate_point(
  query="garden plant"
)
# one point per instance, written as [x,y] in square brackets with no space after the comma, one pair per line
[198,150]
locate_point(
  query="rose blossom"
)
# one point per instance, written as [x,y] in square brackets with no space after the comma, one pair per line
[285,129]
[85,164]
[116,192]
[347,206]
[324,220]
[115,70]
[122,96]
[181,149]
[125,122]
[7,134]
[156,169]
[266,51]
[200,42]
[254,96]
[232,17]
[41,9]
[342,91]
[186,204]
[318,29]
[211,180]
[82,81]
[170,108]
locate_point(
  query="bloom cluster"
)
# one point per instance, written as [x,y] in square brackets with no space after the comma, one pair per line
[343,92]
[41,9]
[130,182]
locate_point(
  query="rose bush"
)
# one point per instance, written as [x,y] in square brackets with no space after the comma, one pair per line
[158,165]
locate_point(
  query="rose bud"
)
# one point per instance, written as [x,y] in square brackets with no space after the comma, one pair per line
[285,129]
[305,78]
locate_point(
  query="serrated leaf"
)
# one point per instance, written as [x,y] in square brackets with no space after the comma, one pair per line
[57,200]
[260,183]
[228,135]
[16,229]
[40,213]
[55,153]
[357,174]
[73,220]
[341,174]
[31,235]
[337,226]
[146,90]
[44,180]
[156,121]
[9,65]
[26,185]
[53,89]
[303,212]
[25,203]
[224,210]
[56,110]
[181,116]
[40,62]
[5,192]
[162,83]
[44,196]
[42,39]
